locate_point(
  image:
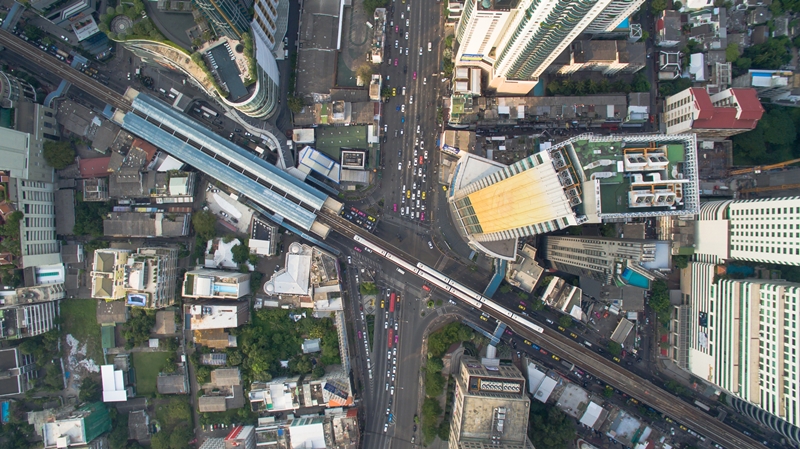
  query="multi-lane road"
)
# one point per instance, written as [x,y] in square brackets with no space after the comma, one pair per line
[424,19]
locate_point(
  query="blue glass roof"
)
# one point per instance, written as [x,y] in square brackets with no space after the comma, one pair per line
[259,193]
[286,183]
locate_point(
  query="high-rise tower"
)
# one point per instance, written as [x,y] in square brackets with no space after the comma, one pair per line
[228,18]
[515,41]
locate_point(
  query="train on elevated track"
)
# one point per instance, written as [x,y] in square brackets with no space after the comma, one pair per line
[457,290]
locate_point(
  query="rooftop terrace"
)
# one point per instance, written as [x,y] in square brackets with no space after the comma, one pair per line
[634,175]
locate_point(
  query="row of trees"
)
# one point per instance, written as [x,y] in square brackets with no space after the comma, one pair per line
[9,233]
[659,301]
[567,86]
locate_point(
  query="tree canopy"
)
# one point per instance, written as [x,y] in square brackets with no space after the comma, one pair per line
[659,301]
[59,154]
[90,390]
[9,231]
[772,54]
[614,348]
[434,381]
[568,86]
[204,222]
[549,427]
[137,328]
[565,320]
[439,341]
[89,217]
[773,139]
[371,5]
[368,288]
[240,253]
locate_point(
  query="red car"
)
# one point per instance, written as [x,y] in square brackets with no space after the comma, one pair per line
[395,63]
[396,28]
[415,73]
[422,216]
[357,248]
[395,207]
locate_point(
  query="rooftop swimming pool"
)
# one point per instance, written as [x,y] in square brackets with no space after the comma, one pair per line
[635,279]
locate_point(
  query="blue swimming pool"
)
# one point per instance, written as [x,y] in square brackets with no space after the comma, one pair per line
[224,288]
[635,279]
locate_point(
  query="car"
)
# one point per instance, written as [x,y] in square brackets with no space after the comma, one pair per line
[396,28]
[527,342]
[394,91]
[394,370]
[349,260]
[406,35]
[387,411]
[451,301]
[386,325]
[684,428]
[402,120]
[399,165]
[484,318]
[395,325]
[396,44]
[393,377]
[408,194]
[616,359]
[555,357]
[521,307]
[426,154]
[403,108]
[395,62]
[387,386]
[424,81]
[429,46]
[411,99]
[391,390]
[561,328]
[394,351]
[415,428]
[422,216]
[573,335]
[415,75]
[420,51]
[430,244]
[385,427]
[404,90]
[542,351]
[408,22]
[423,195]
[383,304]
[394,209]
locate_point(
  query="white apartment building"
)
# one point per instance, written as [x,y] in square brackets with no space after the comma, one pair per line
[760,230]
[724,114]
[215,284]
[515,43]
[613,15]
[743,338]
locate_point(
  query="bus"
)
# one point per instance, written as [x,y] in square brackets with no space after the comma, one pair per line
[392,299]
[702,406]
[391,337]
[209,111]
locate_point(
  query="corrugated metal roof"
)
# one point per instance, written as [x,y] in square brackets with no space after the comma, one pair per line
[221,146]
[293,212]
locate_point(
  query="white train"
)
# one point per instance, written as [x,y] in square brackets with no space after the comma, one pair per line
[442,282]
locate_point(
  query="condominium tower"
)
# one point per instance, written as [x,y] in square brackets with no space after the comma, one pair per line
[760,230]
[742,336]
[515,41]
[229,18]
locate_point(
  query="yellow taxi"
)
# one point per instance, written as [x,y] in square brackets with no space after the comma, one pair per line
[683,427]
[408,194]
[521,307]
[561,328]
[556,358]
[616,359]
[382,304]
[573,335]
[484,318]
[423,195]
[394,91]
[526,342]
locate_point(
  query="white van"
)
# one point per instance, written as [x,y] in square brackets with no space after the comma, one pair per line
[429,46]
[400,270]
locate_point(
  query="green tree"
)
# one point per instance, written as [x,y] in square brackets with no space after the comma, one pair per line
[90,390]
[203,374]
[505,288]
[659,301]
[204,223]
[371,5]
[368,288]
[732,52]
[771,54]
[89,217]
[608,392]
[658,5]
[241,253]
[138,327]
[434,381]
[295,104]
[640,83]
[676,5]
[32,32]
[549,427]
[444,430]
[59,154]
[565,321]
[614,348]
[681,261]
[365,71]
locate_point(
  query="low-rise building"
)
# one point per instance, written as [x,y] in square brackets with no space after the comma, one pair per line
[176,382]
[310,279]
[330,391]
[240,437]
[224,392]
[564,297]
[606,56]
[779,86]
[727,113]
[145,279]
[215,284]
[147,224]
[114,388]
[77,428]
[216,314]
[524,272]
[29,311]
[669,31]
[16,372]
[264,237]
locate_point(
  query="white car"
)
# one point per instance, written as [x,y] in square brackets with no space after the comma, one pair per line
[418,127]
[411,100]
[402,16]
[404,187]
[386,325]
[407,22]
[399,165]
[404,90]
[420,172]
[415,152]
[420,50]
[395,326]
[426,155]
[430,245]
[406,35]
[402,108]
[397,44]
[424,81]
[407,53]
[385,427]
[391,390]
